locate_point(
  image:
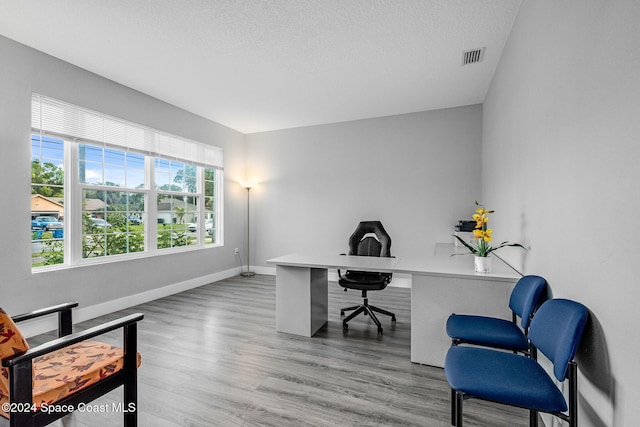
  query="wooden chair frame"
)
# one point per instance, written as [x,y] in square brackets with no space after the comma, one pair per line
[21,367]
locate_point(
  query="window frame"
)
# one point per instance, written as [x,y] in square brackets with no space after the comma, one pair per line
[73,203]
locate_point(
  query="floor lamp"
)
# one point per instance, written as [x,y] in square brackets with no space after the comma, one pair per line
[247,273]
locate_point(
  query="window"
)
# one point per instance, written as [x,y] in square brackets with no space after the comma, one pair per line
[107,228]
[103,188]
[47,201]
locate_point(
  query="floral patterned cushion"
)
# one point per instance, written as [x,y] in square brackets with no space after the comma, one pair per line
[11,343]
[63,372]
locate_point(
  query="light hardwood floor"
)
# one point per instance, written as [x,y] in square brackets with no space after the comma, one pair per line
[211,357]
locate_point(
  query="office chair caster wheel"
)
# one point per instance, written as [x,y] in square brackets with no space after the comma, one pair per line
[345,327]
[342,313]
[393,319]
[379,331]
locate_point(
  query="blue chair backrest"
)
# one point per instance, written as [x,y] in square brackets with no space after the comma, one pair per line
[526,297]
[556,331]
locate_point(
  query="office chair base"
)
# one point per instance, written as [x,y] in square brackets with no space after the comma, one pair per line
[368,310]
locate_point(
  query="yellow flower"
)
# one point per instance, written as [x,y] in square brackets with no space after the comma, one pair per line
[483,234]
[480,219]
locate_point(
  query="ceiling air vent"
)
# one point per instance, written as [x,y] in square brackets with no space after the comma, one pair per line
[472,56]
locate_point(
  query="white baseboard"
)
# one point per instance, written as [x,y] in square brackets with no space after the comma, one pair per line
[270,271]
[39,326]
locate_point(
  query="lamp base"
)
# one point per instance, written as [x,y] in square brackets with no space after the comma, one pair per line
[247,274]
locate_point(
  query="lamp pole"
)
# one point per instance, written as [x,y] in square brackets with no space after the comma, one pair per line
[247,273]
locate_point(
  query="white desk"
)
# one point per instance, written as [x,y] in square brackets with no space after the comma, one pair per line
[441,285]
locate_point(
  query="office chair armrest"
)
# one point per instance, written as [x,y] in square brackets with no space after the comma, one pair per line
[68,340]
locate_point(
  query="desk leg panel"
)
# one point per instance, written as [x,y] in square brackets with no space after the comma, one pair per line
[434,298]
[302,299]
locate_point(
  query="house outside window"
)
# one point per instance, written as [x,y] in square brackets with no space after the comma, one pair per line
[125,192]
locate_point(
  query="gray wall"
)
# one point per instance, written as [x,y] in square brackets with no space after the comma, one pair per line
[561,149]
[417,173]
[23,70]
[558,138]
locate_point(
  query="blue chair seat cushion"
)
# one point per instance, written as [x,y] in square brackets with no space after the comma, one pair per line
[487,331]
[502,377]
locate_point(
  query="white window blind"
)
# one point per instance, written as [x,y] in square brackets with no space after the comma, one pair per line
[59,119]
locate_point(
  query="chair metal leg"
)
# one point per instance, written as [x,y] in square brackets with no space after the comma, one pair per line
[373,317]
[533,418]
[459,402]
[355,307]
[382,311]
[359,310]
[368,310]
[453,407]
[573,394]
[533,352]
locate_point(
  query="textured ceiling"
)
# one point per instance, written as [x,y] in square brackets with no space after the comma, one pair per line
[258,65]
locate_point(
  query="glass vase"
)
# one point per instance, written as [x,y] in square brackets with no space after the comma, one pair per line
[482,264]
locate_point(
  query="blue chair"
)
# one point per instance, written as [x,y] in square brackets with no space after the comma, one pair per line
[527,295]
[517,380]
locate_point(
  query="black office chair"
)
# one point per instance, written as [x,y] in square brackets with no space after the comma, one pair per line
[369,239]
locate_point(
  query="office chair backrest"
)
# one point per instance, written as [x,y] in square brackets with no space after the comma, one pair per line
[526,297]
[361,244]
[369,246]
[556,331]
